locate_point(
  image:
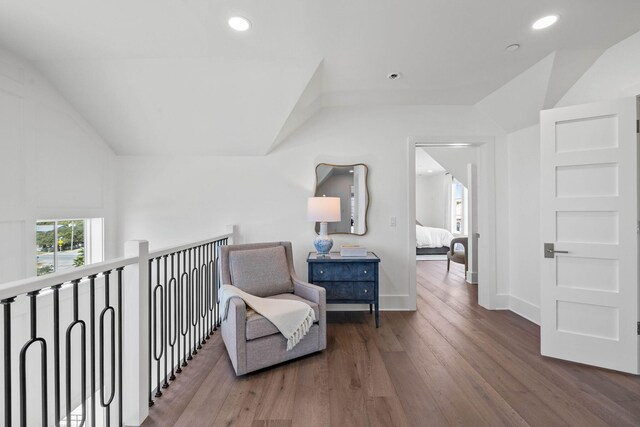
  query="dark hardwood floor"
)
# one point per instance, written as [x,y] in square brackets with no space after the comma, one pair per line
[450,363]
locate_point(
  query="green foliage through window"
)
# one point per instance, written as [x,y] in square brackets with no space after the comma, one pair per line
[60,245]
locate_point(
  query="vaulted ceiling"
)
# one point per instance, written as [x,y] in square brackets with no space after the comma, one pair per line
[169,76]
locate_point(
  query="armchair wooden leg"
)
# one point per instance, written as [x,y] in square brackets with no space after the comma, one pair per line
[448,263]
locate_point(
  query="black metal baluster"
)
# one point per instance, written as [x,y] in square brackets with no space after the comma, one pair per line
[151,403]
[194,302]
[56,352]
[83,357]
[43,365]
[217,286]
[92,344]
[190,307]
[203,298]
[196,269]
[214,285]
[120,409]
[198,296]
[6,303]
[178,311]
[104,402]
[165,316]
[173,309]
[208,292]
[157,355]
[184,307]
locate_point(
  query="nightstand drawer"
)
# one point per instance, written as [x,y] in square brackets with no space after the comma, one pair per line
[356,271]
[349,291]
[363,291]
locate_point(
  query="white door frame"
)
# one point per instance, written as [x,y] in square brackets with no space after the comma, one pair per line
[486,208]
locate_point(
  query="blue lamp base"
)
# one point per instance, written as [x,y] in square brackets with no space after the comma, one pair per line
[323,243]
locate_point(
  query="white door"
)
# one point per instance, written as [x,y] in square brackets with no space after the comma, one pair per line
[589,295]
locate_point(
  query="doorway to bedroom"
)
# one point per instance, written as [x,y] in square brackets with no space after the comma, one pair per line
[444,214]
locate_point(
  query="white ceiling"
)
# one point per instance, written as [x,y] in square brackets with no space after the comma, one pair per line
[427,165]
[169,76]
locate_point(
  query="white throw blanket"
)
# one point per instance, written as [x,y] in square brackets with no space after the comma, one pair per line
[292,318]
[430,237]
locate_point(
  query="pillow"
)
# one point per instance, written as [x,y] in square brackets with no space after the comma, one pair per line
[261,272]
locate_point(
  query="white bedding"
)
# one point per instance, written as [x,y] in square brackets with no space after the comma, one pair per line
[429,237]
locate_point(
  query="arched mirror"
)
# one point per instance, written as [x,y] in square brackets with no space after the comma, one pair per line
[349,183]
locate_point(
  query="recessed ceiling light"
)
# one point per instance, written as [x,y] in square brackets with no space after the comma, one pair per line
[512,47]
[394,76]
[545,22]
[239,23]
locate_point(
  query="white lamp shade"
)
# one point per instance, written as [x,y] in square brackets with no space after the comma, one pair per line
[323,209]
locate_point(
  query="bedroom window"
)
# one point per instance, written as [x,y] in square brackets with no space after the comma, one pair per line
[67,243]
[459,208]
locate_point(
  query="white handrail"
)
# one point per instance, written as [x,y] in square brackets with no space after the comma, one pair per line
[173,249]
[30,284]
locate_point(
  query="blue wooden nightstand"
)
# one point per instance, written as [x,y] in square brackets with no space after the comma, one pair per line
[348,280]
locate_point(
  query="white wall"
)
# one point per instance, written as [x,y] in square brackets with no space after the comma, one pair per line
[524,222]
[172,200]
[53,166]
[614,75]
[431,199]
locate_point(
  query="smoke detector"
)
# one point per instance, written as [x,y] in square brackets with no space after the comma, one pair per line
[394,76]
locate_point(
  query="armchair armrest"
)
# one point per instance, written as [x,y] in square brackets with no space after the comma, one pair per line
[316,294]
[234,333]
[309,292]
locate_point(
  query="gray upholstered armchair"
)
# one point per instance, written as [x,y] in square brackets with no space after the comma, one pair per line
[461,257]
[266,270]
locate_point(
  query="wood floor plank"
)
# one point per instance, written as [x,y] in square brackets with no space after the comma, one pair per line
[416,398]
[210,397]
[347,396]
[373,370]
[456,382]
[311,403]
[241,404]
[386,411]
[173,403]
[278,397]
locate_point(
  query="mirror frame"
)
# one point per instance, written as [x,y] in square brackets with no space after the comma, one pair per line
[366,184]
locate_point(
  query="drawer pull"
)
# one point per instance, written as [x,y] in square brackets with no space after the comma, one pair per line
[365,272]
[366,290]
[321,272]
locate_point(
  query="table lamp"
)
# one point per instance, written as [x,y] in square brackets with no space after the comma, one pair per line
[323,210]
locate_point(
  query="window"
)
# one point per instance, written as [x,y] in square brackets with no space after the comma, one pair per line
[459,212]
[68,243]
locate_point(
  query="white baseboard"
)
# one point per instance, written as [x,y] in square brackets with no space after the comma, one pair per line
[525,309]
[499,302]
[472,277]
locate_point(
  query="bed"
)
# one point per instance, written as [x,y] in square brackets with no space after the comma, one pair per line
[432,241]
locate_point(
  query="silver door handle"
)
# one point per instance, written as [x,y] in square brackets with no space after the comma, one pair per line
[550,250]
